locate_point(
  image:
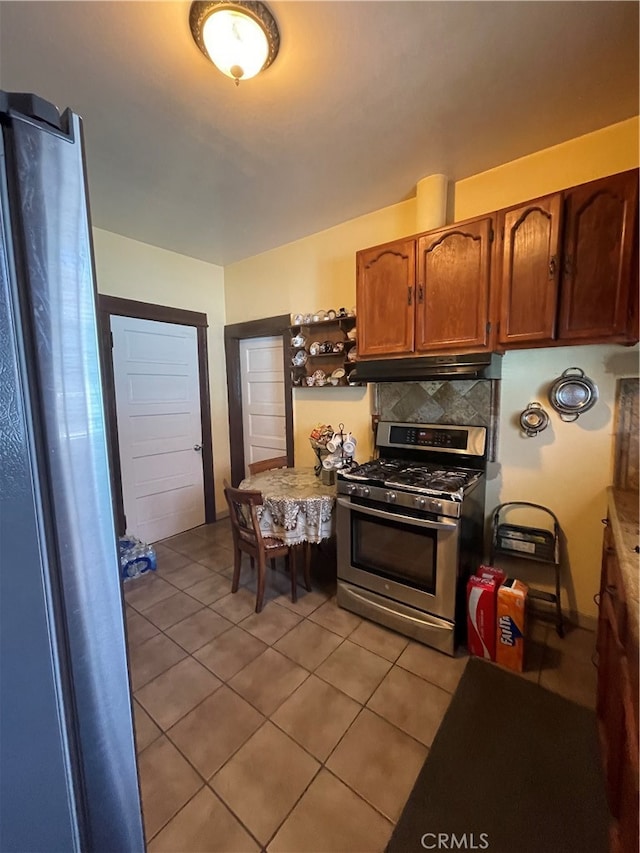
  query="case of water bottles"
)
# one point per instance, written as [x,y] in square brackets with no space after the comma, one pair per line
[136,557]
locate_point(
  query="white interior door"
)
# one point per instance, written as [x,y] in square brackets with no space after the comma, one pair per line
[157,392]
[263,413]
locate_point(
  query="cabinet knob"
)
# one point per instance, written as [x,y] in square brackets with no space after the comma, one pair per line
[553,265]
[605,521]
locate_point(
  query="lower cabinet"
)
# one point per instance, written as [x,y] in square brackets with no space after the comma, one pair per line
[616,708]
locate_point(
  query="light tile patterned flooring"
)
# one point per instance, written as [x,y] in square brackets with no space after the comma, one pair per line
[299,729]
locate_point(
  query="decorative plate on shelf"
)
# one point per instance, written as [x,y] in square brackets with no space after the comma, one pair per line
[298,341]
[314,349]
[300,358]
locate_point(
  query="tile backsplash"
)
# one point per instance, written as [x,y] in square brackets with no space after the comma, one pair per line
[459,401]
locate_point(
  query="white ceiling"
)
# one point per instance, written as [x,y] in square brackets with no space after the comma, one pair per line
[363,100]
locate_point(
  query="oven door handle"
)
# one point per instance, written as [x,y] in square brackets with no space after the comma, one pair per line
[397,516]
[424,619]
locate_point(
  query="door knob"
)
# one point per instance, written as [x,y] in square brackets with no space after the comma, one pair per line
[197,447]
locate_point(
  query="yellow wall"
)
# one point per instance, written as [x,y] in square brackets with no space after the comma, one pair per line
[133,270]
[595,155]
[569,466]
[301,277]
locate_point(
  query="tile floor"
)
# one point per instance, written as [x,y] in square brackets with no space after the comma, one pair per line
[301,728]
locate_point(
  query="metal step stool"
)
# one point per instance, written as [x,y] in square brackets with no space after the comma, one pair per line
[529,543]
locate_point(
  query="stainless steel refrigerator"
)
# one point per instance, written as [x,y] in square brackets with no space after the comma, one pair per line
[68,774]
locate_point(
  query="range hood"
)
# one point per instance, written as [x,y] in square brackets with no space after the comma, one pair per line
[479,365]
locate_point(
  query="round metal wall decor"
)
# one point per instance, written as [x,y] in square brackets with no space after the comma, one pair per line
[572,394]
[533,419]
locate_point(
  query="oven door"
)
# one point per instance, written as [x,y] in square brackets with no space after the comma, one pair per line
[409,559]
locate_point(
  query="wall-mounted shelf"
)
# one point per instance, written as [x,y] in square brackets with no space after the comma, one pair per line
[329,334]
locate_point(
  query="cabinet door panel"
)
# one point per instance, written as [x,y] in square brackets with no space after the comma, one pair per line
[530,269]
[600,231]
[452,309]
[385,294]
[628,779]
[610,702]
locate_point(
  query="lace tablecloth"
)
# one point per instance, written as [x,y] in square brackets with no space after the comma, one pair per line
[296,507]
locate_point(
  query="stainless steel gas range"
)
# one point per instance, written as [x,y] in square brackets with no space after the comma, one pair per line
[410,529]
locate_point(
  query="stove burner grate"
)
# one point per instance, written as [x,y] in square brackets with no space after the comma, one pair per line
[425,478]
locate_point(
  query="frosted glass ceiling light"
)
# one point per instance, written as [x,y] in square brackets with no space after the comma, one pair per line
[240,38]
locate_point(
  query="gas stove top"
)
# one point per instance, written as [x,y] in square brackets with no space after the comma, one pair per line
[418,477]
[430,468]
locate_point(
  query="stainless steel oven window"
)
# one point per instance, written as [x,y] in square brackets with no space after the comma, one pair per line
[445,559]
[394,550]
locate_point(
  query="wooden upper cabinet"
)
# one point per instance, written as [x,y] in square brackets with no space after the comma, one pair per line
[385,296]
[567,268]
[529,270]
[452,308]
[564,271]
[597,275]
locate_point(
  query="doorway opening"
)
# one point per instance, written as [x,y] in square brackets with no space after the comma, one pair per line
[269,327]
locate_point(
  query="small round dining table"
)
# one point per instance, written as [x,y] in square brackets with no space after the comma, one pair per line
[297,506]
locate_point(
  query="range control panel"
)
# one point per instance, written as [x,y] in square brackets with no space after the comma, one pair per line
[418,436]
[469,440]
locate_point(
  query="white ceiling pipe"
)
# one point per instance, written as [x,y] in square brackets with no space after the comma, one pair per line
[431,202]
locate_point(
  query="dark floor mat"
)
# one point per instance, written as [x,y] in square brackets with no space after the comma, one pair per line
[514,768]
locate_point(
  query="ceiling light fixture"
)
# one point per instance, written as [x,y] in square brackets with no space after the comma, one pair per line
[240,38]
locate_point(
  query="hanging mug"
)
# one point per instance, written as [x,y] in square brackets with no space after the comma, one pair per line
[349,444]
[334,443]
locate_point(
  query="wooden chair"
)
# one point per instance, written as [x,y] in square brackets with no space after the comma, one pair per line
[268,464]
[248,537]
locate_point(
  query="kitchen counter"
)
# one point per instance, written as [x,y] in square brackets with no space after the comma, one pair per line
[623,515]
[617,705]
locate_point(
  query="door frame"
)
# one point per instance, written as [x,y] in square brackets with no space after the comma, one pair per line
[268,327]
[109,306]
